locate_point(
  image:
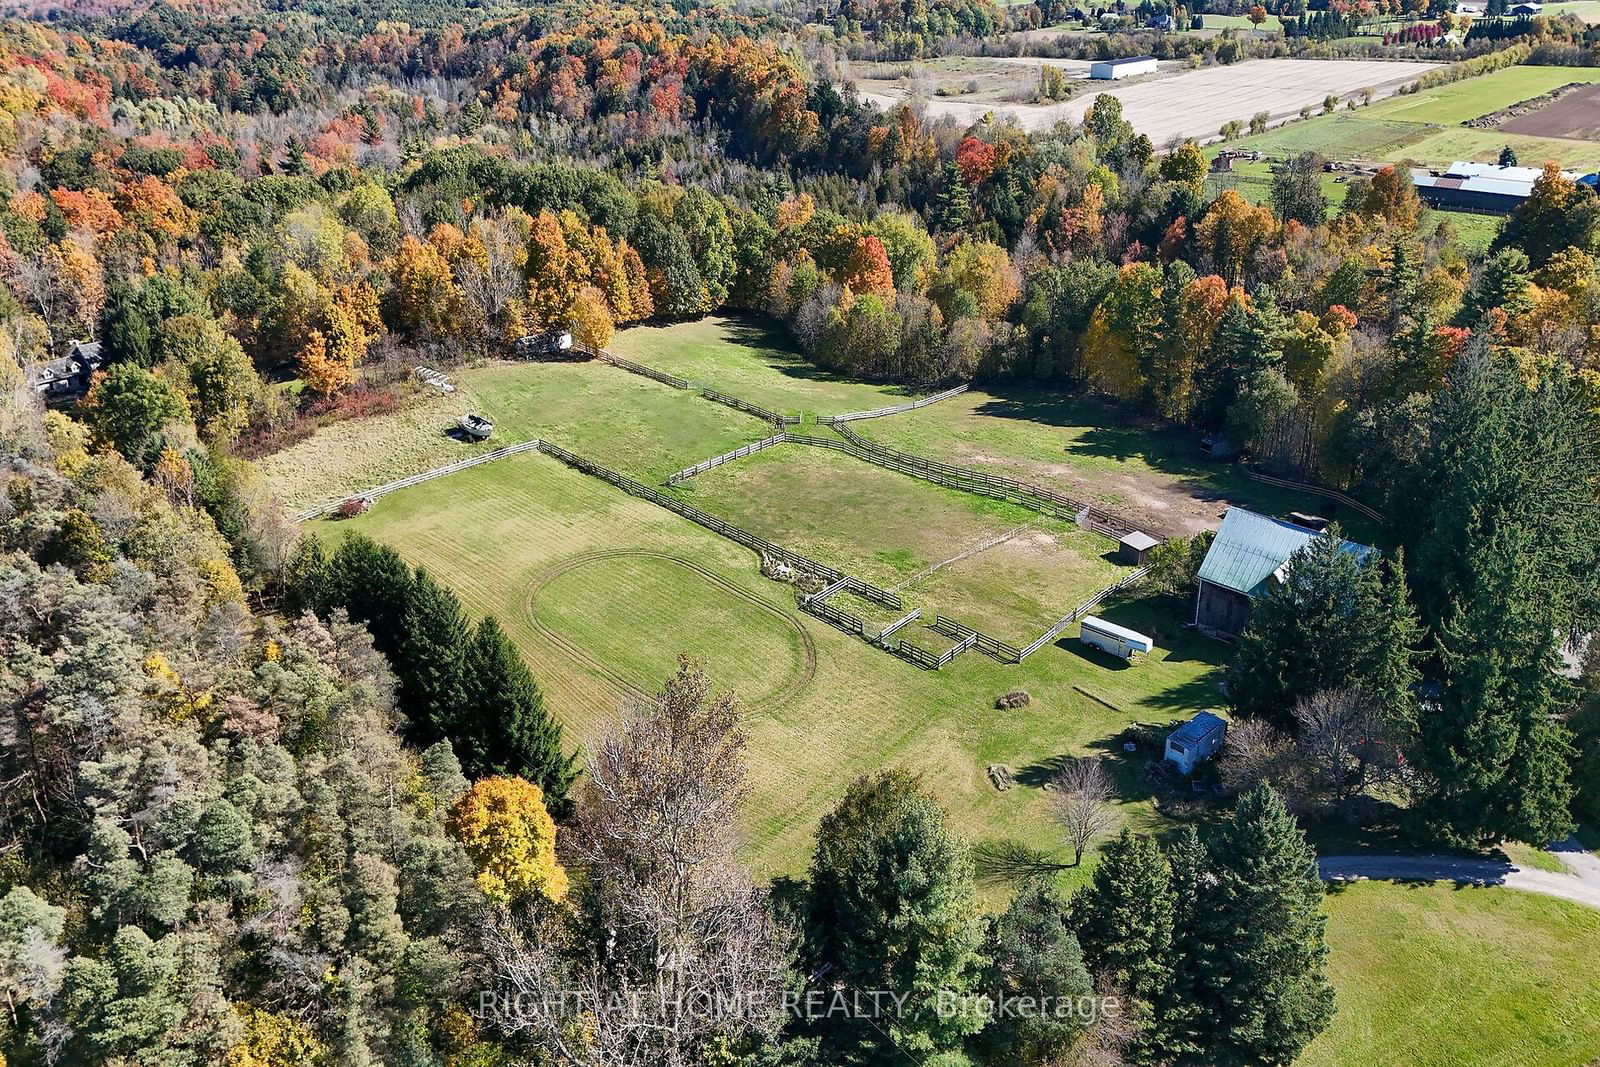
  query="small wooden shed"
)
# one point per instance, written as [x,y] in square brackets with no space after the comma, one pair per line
[1135,546]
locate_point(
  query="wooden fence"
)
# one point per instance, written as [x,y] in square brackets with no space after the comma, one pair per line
[878,413]
[1316,490]
[417,479]
[850,624]
[1034,497]
[639,368]
[727,457]
[989,645]
[748,408]
[1077,613]
[899,624]
[713,395]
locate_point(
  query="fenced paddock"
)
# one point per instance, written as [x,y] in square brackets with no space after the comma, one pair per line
[417,479]
[897,409]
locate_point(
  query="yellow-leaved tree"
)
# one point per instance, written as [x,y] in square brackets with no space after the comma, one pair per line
[503,824]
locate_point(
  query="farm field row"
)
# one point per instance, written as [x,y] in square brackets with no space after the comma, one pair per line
[1425,127]
[1190,103]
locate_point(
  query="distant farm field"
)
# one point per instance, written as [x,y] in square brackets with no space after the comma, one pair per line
[1425,127]
[1179,103]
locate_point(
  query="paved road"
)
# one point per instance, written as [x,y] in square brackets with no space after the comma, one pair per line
[1581,885]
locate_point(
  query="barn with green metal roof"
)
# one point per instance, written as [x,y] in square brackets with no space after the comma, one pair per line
[1248,556]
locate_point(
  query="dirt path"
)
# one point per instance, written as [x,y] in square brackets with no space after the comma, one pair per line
[1581,886]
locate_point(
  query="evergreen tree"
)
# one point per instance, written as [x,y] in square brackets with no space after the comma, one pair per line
[1333,622]
[372,583]
[890,907]
[432,661]
[953,205]
[503,727]
[1033,953]
[1507,561]
[1124,917]
[1264,994]
[1180,1026]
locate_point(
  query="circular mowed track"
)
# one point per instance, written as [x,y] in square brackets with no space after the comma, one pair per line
[792,685]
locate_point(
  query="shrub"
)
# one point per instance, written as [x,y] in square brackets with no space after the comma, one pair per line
[1017,698]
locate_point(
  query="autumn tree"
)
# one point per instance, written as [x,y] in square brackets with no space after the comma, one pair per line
[127,408]
[503,825]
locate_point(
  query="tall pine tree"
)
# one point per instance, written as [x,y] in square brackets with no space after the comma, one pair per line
[1124,917]
[890,907]
[504,727]
[1506,551]
[1334,622]
[1261,957]
[432,661]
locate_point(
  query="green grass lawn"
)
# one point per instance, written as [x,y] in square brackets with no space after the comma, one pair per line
[1425,127]
[601,591]
[1436,976]
[753,361]
[887,528]
[626,421]
[514,538]
[1153,473]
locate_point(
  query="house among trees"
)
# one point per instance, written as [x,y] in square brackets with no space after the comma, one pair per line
[1250,554]
[69,375]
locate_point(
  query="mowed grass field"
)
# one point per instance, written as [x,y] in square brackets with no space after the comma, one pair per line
[887,529]
[767,371]
[1425,127]
[601,591]
[1439,976]
[625,421]
[1154,474]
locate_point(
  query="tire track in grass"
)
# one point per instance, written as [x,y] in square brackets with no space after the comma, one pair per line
[793,687]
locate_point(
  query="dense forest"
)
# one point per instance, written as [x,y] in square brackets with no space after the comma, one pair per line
[266,804]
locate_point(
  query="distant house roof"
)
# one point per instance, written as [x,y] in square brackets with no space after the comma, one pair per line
[1250,548]
[1125,62]
[1198,728]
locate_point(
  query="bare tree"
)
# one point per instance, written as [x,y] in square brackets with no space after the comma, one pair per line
[671,945]
[1082,803]
[1345,743]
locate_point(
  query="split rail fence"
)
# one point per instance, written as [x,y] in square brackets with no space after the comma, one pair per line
[1316,490]
[417,479]
[1077,613]
[897,409]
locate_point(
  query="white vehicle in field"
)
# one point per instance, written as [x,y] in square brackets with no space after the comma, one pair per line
[1108,637]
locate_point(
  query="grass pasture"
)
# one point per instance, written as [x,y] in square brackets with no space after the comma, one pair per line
[505,537]
[601,591]
[752,361]
[625,421]
[889,529]
[1151,473]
